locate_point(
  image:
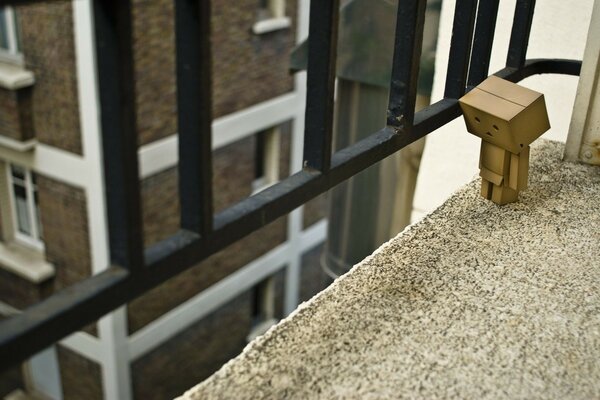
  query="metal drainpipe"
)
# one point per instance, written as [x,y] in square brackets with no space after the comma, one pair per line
[376,204]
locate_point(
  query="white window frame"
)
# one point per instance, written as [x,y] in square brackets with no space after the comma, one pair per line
[12,54]
[270,175]
[35,239]
[271,18]
[270,162]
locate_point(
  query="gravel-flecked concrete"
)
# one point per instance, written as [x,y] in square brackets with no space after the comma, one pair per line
[475,301]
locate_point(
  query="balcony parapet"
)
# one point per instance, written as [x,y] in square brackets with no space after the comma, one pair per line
[475,300]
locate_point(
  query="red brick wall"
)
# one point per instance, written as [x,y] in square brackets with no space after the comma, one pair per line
[80,378]
[63,212]
[154,41]
[15,114]
[247,68]
[160,206]
[48,47]
[25,100]
[10,124]
[19,292]
[193,354]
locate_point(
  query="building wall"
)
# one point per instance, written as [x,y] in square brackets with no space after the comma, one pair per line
[64,219]
[200,350]
[47,44]
[80,377]
[248,69]
[9,119]
[154,41]
[160,206]
[233,173]
[19,292]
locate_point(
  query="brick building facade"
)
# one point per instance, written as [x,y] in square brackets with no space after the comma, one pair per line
[52,225]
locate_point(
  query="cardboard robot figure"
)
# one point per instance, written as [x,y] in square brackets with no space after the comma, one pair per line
[508,118]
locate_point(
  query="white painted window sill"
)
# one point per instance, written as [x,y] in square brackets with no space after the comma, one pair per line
[25,262]
[17,145]
[13,77]
[271,25]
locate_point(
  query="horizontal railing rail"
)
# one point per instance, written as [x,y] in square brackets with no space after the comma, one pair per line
[136,270]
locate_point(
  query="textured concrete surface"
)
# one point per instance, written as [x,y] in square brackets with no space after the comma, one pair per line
[475,301]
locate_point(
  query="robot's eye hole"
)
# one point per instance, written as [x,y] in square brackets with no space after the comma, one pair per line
[496,127]
[487,133]
[477,119]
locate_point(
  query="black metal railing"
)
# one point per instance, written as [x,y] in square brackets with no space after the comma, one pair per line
[134,269]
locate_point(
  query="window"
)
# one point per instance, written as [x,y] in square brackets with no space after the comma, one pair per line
[26,212]
[263,310]
[21,246]
[271,17]
[266,170]
[10,46]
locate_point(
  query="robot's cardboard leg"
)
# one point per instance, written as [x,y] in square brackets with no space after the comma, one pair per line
[486,189]
[503,195]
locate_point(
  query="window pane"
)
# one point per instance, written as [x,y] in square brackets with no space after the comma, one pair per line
[23,223]
[24,192]
[17,31]
[3,30]
[20,191]
[18,172]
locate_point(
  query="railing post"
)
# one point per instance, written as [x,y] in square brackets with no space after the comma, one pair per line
[405,69]
[460,48]
[116,82]
[519,37]
[483,41]
[194,105]
[321,71]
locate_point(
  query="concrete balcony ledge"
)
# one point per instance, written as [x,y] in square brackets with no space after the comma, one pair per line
[474,301]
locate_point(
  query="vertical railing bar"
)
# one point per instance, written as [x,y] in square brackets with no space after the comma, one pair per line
[460,48]
[116,77]
[194,104]
[519,36]
[405,68]
[322,51]
[483,40]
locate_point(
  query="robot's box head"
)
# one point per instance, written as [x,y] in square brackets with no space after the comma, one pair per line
[505,114]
